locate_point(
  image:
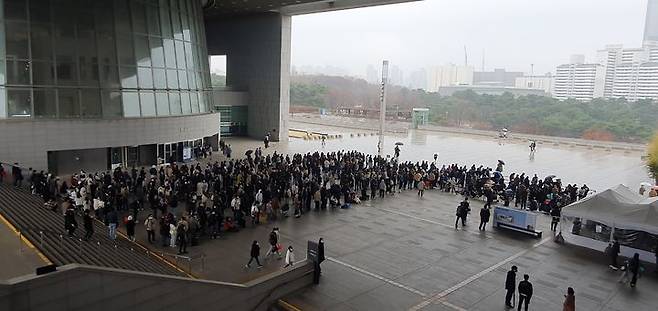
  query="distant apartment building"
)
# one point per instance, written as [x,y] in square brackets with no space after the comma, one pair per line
[497,77]
[448,75]
[544,83]
[630,72]
[579,81]
[651,23]
[417,79]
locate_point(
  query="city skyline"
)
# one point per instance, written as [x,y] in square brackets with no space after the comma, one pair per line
[321,39]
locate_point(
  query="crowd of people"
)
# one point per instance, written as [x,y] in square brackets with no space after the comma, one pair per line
[190,201]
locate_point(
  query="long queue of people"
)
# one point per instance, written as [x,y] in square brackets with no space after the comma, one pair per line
[190,201]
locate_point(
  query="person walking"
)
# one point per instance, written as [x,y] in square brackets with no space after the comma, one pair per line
[569,300]
[525,292]
[613,252]
[421,188]
[255,253]
[70,224]
[633,268]
[88,224]
[112,220]
[149,223]
[182,230]
[274,243]
[510,286]
[290,257]
[485,214]
[555,217]
[130,228]
[462,212]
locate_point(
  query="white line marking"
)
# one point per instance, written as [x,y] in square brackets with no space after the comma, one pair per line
[431,221]
[379,277]
[437,297]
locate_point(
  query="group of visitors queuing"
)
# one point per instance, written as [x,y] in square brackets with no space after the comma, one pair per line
[224,196]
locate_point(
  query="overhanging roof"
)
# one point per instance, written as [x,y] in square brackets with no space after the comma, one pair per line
[287,7]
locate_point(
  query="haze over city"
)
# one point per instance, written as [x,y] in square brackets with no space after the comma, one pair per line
[513,34]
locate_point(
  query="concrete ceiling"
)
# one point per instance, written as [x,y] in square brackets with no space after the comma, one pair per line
[216,8]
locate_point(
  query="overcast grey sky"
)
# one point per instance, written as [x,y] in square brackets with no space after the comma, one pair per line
[514,33]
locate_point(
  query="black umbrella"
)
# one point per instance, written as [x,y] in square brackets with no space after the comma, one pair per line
[501,162]
[249,152]
[399,144]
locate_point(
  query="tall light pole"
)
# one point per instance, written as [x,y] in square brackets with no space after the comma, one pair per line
[382,109]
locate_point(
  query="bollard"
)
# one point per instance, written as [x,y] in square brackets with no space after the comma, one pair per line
[41,236]
[189,262]
[80,247]
[61,241]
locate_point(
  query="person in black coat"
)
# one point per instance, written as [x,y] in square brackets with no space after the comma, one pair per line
[525,292]
[614,253]
[255,253]
[510,286]
[88,224]
[485,214]
[462,212]
[70,224]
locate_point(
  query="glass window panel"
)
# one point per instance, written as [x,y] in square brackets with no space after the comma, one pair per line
[145,77]
[182,79]
[148,104]
[185,26]
[106,48]
[91,103]
[173,4]
[159,78]
[111,104]
[188,55]
[172,79]
[195,56]
[42,45]
[17,41]
[18,72]
[40,11]
[130,104]
[85,20]
[194,102]
[43,73]
[64,22]
[142,51]
[109,76]
[180,55]
[86,44]
[103,17]
[67,72]
[88,73]
[199,81]
[185,102]
[203,107]
[165,22]
[128,77]
[139,16]
[19,103]
[157,52]
[69,104]
[153,20]
[44,103]
[162,104]
[174,103]
[3,100]
[170,53]
[3,81]
[122,16]
[191,77]
[15,10]
[126,52]
[176,26]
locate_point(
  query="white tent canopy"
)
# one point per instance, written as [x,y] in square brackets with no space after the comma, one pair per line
[618,207]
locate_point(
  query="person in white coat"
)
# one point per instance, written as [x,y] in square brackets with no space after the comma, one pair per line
[290,257]
[172,234]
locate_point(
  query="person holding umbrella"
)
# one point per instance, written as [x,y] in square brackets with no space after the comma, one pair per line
[397,149]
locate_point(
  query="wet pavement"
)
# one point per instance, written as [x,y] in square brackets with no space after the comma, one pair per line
[403,253]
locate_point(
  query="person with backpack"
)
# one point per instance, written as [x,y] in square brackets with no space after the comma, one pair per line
[274,243]
[130,228]
[462,212]
[70,224]
[88,225]
[149,223]
[510,286]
